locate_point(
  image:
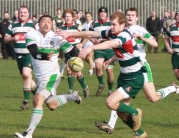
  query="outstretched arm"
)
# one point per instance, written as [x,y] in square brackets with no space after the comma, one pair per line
[101,46]
[83,34]
[151,42]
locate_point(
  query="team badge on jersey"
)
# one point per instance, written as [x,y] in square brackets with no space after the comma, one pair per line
[128,89]
[29,65]
[51,43]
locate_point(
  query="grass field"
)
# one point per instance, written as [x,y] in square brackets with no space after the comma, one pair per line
[160,120]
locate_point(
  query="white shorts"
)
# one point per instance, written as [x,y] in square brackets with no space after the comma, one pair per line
[47,86]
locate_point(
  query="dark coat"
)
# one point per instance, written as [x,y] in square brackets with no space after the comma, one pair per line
[4,26]
[153,26]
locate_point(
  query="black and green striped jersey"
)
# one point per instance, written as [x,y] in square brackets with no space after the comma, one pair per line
[19,29]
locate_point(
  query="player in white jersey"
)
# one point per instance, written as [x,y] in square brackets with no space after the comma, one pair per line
[44,47]
[142,36]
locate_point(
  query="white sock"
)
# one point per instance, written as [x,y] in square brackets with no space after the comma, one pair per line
[94,65]
[166,91]
[62,67]
[63,99]
[90,72]
[35,119]
[113,118]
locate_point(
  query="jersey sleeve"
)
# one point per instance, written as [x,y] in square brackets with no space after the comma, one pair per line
[65,46]
[9,30]
[123,37]
[30,38]
[168,32]
[104,33]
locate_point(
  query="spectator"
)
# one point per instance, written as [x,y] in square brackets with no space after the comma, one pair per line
[57,20]
[169,21]
[75,18]
[34,19]
[82,18]
[15,17]
[153,27]
[7,49]
[162,29]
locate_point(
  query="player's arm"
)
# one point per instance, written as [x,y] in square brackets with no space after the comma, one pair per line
[167,42]
[8,36]
[147,38]
[67,48]
[83,34]
[33,49]
[101,46]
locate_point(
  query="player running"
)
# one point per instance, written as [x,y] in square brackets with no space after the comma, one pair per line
[44,47]
[102,23]
[71,26]
[142,36]
[16,34]
[131,79]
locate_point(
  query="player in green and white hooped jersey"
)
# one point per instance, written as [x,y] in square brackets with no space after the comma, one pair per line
[71,26]
[131,79]
[102,23]
[16,34]
[44,46]
[173,33]
[142,36]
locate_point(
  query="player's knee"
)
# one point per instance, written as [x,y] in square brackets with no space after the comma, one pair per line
[152,99]
[26,75]
[53,107]
[109,104]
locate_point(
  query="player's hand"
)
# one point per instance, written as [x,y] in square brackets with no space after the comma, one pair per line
[0,36]
[49,56]
[62,33]
[85,51]
[138,36]
[170,51]
[106,63]
[16,38]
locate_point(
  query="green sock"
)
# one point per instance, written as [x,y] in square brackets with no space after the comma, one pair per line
[34,90]
[82,82]
[100,79]
[110,85]
[26,94]
[129,122]
[127,109]
[71,80]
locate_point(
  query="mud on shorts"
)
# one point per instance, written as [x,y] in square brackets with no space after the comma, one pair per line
[23,60]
